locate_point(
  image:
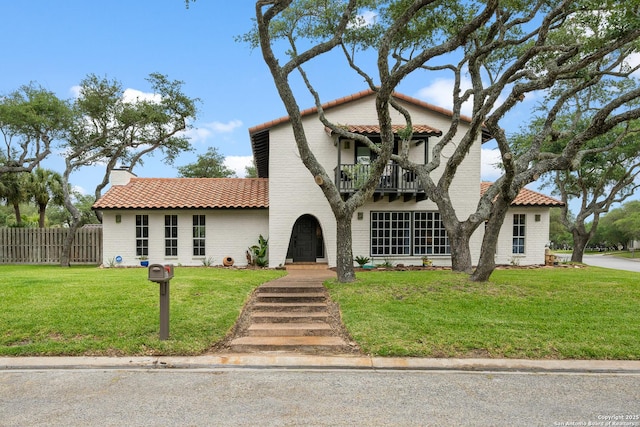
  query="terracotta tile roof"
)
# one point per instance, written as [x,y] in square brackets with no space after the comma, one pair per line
[375,129]
[187,193]
[355,97]
[527,197]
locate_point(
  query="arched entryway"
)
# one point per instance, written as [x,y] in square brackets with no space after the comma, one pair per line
[306,243]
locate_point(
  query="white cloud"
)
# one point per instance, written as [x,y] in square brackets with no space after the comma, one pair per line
[489,170]
[197,134]
[633,60]
[218,127]
[365,19]
[205,131]
[238,164]
[440,93]
[75,91]
[134,95]
[129,95]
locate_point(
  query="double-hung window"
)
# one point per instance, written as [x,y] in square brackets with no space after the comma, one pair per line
[171,235]
[519,229]
[142,235]
[199,234]
[408,233]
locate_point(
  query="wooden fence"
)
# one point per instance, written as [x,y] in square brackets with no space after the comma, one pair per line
[44,245]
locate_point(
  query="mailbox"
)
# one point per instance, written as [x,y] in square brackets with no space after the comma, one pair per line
[169,269]
[158,273]
[162,274]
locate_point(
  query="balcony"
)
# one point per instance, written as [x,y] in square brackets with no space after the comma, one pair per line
[395,182]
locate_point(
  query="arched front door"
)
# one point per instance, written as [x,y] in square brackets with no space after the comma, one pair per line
[306,242]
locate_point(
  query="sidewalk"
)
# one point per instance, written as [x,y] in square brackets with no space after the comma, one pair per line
[297,361]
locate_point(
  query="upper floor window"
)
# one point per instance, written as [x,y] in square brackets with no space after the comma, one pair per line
[199,234]
[142,235]
[171,235]
[519,229]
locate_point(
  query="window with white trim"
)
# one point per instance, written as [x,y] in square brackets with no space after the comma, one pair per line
[171,235]
[408,233]
[199,234]
[519,229]
[142,235]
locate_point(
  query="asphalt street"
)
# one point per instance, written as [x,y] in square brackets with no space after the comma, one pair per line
[608,261]
[311,397]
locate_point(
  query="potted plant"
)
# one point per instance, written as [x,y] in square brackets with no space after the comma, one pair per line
[426,262]
[361,260]
[144,260]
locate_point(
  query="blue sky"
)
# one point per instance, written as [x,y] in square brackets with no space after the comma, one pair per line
[57,44]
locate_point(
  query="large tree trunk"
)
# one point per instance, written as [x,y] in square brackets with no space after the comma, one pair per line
[580,241]
[460,251]
[344,256]
[65,256]
[487,262]
[459,234]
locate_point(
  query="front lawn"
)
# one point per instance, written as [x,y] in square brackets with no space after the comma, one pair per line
[563,313]
[48,310]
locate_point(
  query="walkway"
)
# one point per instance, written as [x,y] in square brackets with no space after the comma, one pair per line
[292,314]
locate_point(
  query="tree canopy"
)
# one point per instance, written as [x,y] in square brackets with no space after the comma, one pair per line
[507,51]
[31,120]
[112,130]
[208,165]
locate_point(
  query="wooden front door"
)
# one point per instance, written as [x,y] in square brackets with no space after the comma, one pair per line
[304,239]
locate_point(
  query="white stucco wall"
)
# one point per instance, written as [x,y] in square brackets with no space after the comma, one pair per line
[293,191]
[228,233]
[536,237]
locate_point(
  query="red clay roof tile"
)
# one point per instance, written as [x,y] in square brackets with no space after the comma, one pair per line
[187,193]
[355,97]
[375,129]
[527,197]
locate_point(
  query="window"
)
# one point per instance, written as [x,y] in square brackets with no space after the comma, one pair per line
[429,235]
[142,235]
[199,234]
[390,233]
[363,155]
[518,233]
[171,235]
[408,233]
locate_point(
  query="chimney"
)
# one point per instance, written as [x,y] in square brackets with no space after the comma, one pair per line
[121,176]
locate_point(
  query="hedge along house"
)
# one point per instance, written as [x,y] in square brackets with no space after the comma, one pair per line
[190,220]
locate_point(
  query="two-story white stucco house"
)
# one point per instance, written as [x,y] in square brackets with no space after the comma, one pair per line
[189,221]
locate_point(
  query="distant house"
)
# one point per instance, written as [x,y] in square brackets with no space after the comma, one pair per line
[190,220]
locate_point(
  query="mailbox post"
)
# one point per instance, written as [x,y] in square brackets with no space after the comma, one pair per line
[162,274]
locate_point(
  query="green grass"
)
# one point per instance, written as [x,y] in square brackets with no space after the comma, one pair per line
[563,313]
[48,310]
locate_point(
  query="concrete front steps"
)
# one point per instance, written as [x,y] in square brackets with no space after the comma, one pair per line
[291,314]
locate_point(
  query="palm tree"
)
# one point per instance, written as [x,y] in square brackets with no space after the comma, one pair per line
[13,191]
[45,185]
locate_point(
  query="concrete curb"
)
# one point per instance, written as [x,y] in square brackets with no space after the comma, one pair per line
[296,361]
